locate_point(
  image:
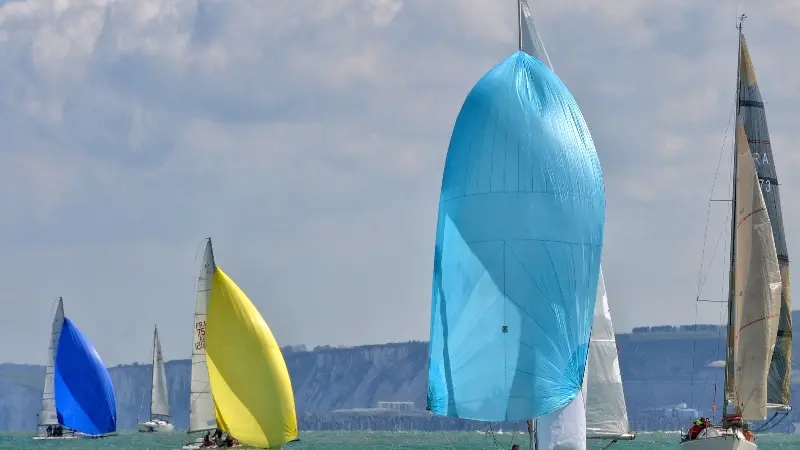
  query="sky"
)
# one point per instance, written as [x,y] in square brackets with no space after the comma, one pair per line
[308,137]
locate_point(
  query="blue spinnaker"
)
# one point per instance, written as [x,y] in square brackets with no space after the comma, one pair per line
[518,244]
[85,398]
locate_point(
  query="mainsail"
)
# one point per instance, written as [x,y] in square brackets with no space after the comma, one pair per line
[85,398]
[530,41]
[751,109]
[159,398]
[241,348]
[757,302]
[201,407]
[518,245]
[48,415]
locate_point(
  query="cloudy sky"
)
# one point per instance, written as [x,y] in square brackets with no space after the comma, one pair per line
[307,137]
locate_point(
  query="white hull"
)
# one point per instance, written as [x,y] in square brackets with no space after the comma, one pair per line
[51,438]
[718,439]
[70,436]
[156,426]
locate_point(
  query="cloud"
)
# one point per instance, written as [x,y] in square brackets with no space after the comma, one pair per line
[308,139]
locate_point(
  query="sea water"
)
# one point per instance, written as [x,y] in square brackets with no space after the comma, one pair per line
[378,440]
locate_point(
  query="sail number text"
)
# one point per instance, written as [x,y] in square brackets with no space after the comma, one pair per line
[200,329]
[762,159]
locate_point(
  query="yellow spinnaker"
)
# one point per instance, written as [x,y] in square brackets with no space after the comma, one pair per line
[249,379]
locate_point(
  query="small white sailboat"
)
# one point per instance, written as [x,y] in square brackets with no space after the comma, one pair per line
[159,396]
[759,322]
[48,427]
[78,399]
[202,415]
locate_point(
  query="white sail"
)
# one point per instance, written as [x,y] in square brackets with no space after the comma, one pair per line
[758,288]
[564,428]
[49,416]
[606,414]
[531,42]
[201,409]
[159,398]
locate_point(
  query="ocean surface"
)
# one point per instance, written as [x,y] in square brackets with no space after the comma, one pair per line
[355,440]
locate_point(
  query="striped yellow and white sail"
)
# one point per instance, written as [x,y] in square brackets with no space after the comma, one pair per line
[754,120]
[249,380]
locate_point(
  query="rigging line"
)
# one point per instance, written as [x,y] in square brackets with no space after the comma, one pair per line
[705,274]
[783,416]
[710,197]
[514,434]
[494,438]
[441,428]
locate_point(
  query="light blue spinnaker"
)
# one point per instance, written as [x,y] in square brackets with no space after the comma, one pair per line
[518,244]
[85,399]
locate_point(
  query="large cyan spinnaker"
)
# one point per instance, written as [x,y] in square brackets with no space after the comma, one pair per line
[518,244]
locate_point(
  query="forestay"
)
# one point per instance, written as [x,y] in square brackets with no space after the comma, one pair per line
[758,289]
[85,398]
[518,245]
[241,348]
[201,407]
[48,415]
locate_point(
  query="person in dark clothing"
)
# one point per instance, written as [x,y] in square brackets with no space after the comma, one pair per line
[207,439]
[515,447]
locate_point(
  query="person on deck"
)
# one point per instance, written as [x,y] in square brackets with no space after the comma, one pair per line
[699,425]
[515,447]
[207,439]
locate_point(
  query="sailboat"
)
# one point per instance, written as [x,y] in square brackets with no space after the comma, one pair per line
[202,415]
[759,305]
[239,347]
[159,397]
[78,400]
[517,257]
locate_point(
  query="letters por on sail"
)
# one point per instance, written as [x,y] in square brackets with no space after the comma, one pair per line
[85,398]
[518,244]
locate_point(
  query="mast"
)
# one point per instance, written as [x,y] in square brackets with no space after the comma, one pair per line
[732,272]
[532,442]
[519,24]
